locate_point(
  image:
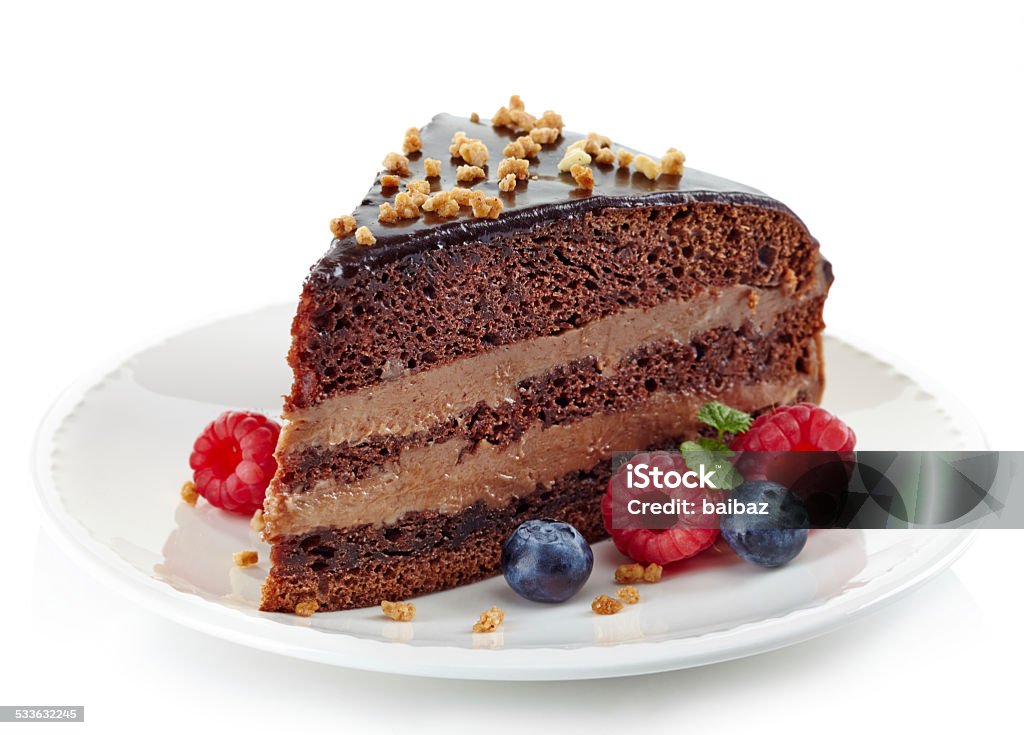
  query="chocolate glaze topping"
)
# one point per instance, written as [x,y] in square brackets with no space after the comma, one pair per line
[547,194]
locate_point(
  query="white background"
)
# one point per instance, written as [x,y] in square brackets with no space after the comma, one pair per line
[159,166]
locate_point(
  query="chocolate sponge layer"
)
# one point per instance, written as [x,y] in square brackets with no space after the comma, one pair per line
[436,305]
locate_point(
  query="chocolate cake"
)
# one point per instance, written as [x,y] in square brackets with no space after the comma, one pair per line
[465,361]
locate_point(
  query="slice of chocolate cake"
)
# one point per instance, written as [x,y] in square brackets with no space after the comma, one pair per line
[510,304]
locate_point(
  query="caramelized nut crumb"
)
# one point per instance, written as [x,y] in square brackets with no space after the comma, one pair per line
[601,141]
[485,207]
[515,116]
[520,167]
[489,620]
[626,573]
[605,605]
[473,117]
[189,494]
[387,214]
[545,135]
[364,237]
[573,157]
[389,181]
[412,141]
[469,173]
[647,167]
[628,594]
[419,185]
[550,119]
[432,168]
[514,150]
[624,158]
[443,204]
[396,163]
[461,195]
[403,612]
[584,176]
[652,573]
[672,162]
[605,157]
[307,607]
[256,523]
[343,226]
[406,207]
[474,152]
[245,558]
[507,183]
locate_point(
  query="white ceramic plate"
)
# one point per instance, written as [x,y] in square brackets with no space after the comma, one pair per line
[113,452]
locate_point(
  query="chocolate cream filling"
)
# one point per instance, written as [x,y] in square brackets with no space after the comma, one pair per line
[416,402]
[439,477]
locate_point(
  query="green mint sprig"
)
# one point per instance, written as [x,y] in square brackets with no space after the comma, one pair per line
[714,453]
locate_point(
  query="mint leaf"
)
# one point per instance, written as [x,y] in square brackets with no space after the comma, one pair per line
[714,455]
[723,419]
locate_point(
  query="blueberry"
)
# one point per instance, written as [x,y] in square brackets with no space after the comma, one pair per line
[546,560]
[772,539]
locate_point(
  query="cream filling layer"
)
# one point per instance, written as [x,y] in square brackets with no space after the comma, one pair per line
[413,403]
[438,477]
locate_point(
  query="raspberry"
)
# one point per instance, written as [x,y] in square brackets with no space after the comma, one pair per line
[653,545]
[801,428]
[233,460]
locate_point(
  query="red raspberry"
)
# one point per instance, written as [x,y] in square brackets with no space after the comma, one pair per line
[802,428]
[233,460]
[653,545]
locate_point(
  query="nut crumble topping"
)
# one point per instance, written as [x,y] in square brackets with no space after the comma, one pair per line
[245,558]
[432,167]
[306,608]
[605,605]
[188,493]
[508,183]
[469,173]
[628,594]
[403,612]
[471,150]
[364,237]
[522,147]
[473,117]
[605,157]
[396,163]
[516,118]
[389,181]
[256,523]
[387,213]
[647,167]
[545,135]
[652,573]
[343,226]
[442,204]
[485,207]
[626,573]
[573,157]
[406,207]
[584,176]
[412,141]
[672,162]
[489,620]
[550,119]
[624,158]
[520,167]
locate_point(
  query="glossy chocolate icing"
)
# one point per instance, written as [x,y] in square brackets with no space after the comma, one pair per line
[550,195]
